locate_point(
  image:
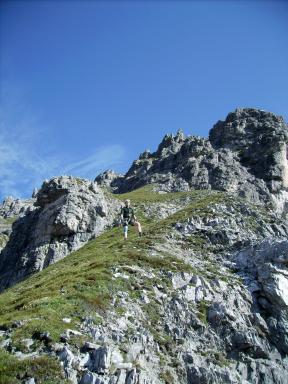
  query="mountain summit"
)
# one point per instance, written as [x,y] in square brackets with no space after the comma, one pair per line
[245,154]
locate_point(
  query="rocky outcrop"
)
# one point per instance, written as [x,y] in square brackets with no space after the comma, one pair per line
[69,212]
[245,154]
[15,207]
[109,179]
[260,140]
[264,270]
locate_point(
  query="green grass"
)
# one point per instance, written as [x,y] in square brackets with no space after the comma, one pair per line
[202,307]
[166,376]
[8,220]
[216,358]
[147,195]
[45,370]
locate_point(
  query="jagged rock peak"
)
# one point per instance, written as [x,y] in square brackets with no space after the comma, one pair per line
[260,139]
[248,125]
[145,155]
[34,193]
[171,141]
[245,154]
[108,178]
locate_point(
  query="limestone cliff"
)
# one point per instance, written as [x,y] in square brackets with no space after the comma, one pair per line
[66,214]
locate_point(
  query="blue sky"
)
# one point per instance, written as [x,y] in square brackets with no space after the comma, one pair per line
[88,85]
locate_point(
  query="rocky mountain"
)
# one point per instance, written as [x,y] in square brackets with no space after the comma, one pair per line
[202,297]
[246,154]
[11,207]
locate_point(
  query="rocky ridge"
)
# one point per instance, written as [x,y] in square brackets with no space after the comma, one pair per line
[246,154]
[11,207]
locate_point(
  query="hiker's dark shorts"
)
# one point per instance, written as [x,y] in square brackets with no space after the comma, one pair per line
[128,222]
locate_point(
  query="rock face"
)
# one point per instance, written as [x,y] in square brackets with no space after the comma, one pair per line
[15,207]
[68,212]
[10,210]
[260,139]
[264,269]
[109,179]
[245,154]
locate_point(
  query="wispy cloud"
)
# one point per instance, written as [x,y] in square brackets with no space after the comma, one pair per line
[22,168]
[105,157]
[26,159]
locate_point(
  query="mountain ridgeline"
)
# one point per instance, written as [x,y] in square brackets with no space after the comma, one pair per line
[245,154]
[202,297]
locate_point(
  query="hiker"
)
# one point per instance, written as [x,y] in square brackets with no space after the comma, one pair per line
[128,217]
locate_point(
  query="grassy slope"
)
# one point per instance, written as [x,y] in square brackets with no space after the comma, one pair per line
[82,283]
[8,220]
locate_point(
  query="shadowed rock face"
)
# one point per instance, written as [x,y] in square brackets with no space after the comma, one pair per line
[245,154]
[109,179]
[68,213]
[10,210]
[259,138]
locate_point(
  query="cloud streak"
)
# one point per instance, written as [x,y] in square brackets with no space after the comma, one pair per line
[22,168]
[105,157]
[27,145]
